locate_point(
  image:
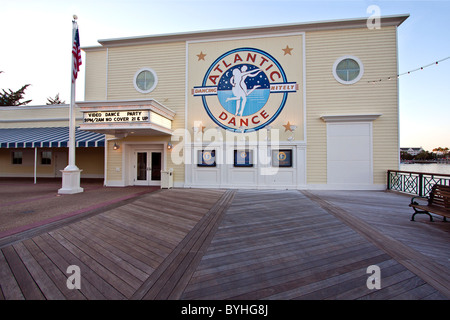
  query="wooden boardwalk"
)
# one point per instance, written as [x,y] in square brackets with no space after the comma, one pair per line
[282,245]
[227,244]
[116,250]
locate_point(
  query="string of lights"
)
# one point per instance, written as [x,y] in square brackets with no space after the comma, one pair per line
[410,71]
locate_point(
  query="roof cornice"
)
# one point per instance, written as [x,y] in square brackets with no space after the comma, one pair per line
[395,20]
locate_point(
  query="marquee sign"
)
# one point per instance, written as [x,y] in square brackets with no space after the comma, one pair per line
[244,89]
[116,116]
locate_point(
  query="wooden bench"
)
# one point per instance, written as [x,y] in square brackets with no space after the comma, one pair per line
[438,203]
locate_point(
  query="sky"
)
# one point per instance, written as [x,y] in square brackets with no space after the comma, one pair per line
[36,43]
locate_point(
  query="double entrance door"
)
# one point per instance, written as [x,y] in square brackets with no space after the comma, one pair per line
[147,167]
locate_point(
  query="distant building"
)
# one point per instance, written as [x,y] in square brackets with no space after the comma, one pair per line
[412,151]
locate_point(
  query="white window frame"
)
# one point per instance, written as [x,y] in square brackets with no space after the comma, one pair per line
[361,69]
[152,87]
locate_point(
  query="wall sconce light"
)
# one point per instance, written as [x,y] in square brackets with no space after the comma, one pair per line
[169,146]
[116,146]
[290,127]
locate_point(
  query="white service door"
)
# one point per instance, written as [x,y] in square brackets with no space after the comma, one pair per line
[349,153]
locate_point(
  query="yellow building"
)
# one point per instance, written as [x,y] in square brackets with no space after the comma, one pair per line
[288,106]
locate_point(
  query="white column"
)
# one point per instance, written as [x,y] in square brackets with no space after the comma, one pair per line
[35,163]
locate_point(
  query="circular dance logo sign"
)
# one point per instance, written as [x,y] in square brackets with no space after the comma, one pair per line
[244,90]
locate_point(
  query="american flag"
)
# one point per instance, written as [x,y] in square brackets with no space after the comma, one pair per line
[76,51]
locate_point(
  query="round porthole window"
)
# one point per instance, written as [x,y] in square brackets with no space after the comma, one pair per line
[348,70]
[145,80]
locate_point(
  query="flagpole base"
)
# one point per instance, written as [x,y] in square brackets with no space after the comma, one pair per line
[71,181]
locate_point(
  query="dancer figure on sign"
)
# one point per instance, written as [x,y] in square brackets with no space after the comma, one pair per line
[240,90]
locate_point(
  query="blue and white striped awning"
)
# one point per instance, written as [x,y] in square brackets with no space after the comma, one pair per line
[48,137]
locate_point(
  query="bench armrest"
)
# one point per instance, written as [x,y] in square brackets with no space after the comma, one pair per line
[418,197]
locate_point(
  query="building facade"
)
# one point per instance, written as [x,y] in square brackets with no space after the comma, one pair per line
[292,106]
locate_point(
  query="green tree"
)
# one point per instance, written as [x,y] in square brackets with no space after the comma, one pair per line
[405,156]
[55,100]
[13,98]
[424,155]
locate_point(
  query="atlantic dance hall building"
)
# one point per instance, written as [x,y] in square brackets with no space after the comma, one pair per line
[297,106]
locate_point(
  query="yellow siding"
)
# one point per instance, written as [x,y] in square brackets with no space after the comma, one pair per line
[377,50]
[96,71]
[19,170]
[114,160]
[169,62]
[90,160]
[38,116]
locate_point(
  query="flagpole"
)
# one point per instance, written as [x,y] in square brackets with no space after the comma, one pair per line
[71,145]
[71,173]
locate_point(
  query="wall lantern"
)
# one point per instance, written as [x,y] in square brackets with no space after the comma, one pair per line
[116,146]
[169,146]
[290,127]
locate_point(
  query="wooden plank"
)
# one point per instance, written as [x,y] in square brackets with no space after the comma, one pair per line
[228,263]
[58,277]
[400,289]
[45,284]
[277,246]
[135,245]
[25,281]
[118,257]
[109,284]
[302,249]
[261,285]
[10,288]
[352,285]
[91,286]
[136,236]
[157,227]
[199,250]
[433,273]
[161,277]
[172,273]
[125,243]
[142,228]
[391,273]
[102,260]
[278,261]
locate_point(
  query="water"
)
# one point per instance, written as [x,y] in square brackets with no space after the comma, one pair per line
[426,167]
